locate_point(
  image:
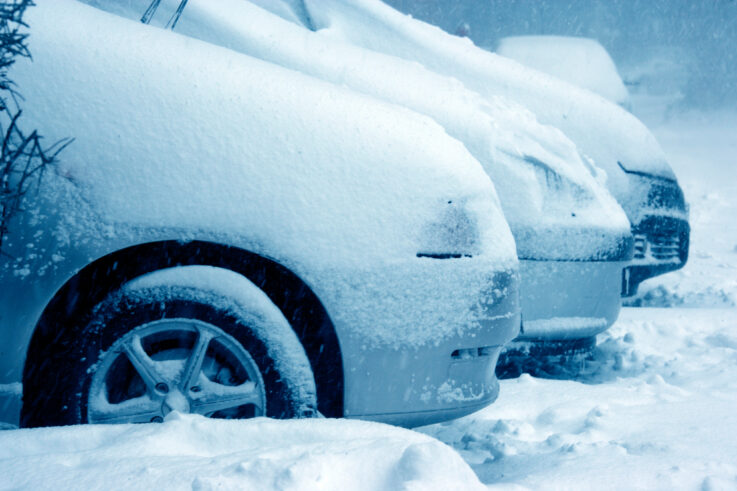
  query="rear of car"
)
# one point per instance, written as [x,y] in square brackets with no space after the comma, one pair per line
[385,260]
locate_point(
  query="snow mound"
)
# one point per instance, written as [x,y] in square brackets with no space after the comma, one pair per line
[192,452]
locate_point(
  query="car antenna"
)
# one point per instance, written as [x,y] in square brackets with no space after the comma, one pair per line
[174,18]
[151,10]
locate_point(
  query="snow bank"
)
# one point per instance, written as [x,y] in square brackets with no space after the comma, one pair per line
[192,452]
[543,184]
[599,128]
[579,61]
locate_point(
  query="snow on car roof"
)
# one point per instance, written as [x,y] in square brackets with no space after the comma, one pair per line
[600,129]
[176,132]
[580,61]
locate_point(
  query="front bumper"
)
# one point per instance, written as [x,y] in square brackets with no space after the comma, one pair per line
[439,381]
[564,300]
[661,246]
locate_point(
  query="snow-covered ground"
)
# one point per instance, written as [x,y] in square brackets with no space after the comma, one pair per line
[655,408]
[191,452]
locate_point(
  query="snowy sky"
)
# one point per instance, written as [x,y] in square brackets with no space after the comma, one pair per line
[700,35]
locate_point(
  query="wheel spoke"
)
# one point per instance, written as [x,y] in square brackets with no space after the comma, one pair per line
[226,397]
[144,365]
[138,410]
[191,374]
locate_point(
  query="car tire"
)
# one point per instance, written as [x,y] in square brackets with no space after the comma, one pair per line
[553,359]
[188,339]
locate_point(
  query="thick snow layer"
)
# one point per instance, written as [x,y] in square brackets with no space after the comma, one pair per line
[580,61]
[170,130]
[543,184]
[180,139]
[704,150]
[191,452]
[600,129]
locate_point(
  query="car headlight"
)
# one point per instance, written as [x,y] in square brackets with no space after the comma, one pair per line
[662,192]
[454,234]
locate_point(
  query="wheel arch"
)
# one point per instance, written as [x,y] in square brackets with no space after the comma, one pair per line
[299,304]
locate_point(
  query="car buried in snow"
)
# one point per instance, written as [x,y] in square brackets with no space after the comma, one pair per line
[572,236]
[230,238]
[623,152]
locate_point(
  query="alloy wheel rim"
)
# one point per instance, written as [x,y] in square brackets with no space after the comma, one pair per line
[183,365]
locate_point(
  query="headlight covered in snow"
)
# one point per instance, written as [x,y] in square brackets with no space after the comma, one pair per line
[455,234]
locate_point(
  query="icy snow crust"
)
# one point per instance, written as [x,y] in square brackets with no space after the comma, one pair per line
[554,206]
[579,61]
[176,138]
[600,129]
[192,452]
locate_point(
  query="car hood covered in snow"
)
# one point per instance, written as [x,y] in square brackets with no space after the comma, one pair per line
[170,131]
[601,130]
[177,139]
[556,209]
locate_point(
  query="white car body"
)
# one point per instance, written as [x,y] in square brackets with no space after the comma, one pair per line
[378,236]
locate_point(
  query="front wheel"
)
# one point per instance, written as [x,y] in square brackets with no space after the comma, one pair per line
[193,339]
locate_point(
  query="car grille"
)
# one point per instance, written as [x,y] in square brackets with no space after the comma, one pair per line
[663,246]
[640,246]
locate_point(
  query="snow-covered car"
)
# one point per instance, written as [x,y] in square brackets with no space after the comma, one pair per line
[231,238]
[572,237]
[637,172]
[581,61]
